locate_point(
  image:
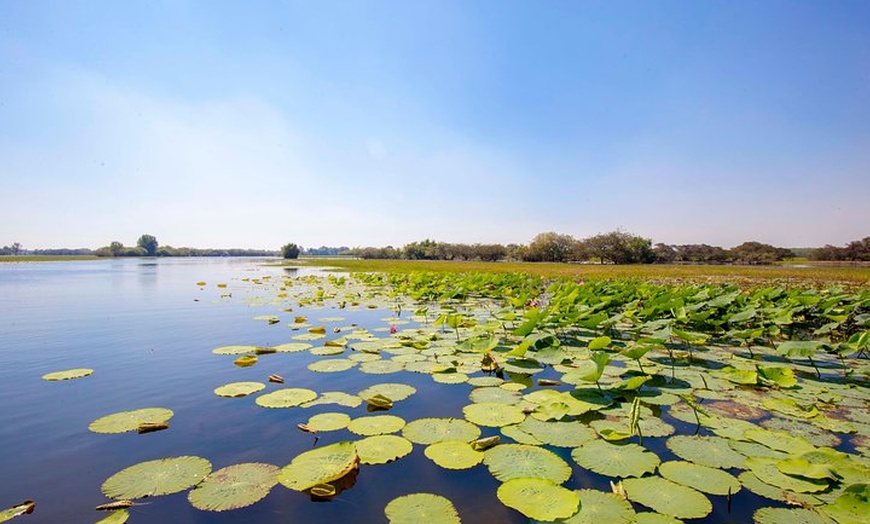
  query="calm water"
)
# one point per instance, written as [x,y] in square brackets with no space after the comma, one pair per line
[148,331]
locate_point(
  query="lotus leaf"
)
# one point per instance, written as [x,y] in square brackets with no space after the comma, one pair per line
[519,436]
[778,440]
[670,498]
[494,394]
[286,398]
[291,347]
[598,507]
[765,469]
[431,430]
[418,508]
[309,336]
[450,378]
[702,478]
[713,452]
[328,421]
[493,414]
[239,389]
[331,365]
[327,350]
[381,367]
[852,507]
[129,420]
[539,498]
[157,477]
[485,382]
[513,461]
[777,375]
[319,466]
[801,467]
[754,449]
[791,408]
[755,485]
[615,460]
[787,516]
[560,434]
[375,425]
[814,434]
[647,517]
[68,374]
[24,508]
[394,392]
[335,397]
[381,449]
[234,350]
[234,487]
[453,454]
[116,517]
[245,361]
[523,367]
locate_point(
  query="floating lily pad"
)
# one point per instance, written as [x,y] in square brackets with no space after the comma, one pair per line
[335,397]
[539,498]
[765,469]
[68,374]
[513,461]
[615,460]
[376,425]
[234,487]
[450,378]
[327,351]
[701,478]
[129,420]
[453,454]
[245,361]
[381,367]
[561,434]
[494,394]
[286,398]
[483,382]
[328,421]
[24,508]
[431,430]
[787,516]
[331,365]
[394,392]
[421,507]
[291,347]
[648,517]
[852,507]
[515,433]
[493,414]
[319,466]
[310,336]
[156,477]
[706,451]
[119,516]
[668,497]
[598,507]
[234,350]
[381,449]
[749,481]
[239,389]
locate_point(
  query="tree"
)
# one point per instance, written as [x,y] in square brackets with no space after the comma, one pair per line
[619,247]
[116,248]
[290,251]
[550,247]
[758,253]
[148,243]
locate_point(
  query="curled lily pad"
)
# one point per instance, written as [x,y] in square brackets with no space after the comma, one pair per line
[68,374]
[421,507]
[239,389]
[852,506]
[245,361]
[702,478]
[539,498]
[381,449]
[24,508]
[431,430]
[129,420]
[286,398]
[376,425]
[755,485]
[319,466]
[765,469]
[234,487]
[615,460]
[453,454]
[512,461]
[668,497]
[328,421]
[156,477]
[493,414]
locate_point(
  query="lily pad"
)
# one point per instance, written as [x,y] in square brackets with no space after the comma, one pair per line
[453,454]
[431,430]
[615,460]
[119,516]
[514,461]
[381,449]
[493,414]
[331,365]
[129,420]
[68,374]
[494,394]
[319,466]
[245,361]
[668,497]
[286,398]
[599,507]
[852,507]
[291,347]
[539,498]
[381,367]
[787,516]
[394,392]
[234,487]
[234,350]
[702,478]
[24,508]
[156,477]
[765,469]
[328,421]
[560,434]
[421,507]
[335,397]
[239,389]
[706,451]
[376,425]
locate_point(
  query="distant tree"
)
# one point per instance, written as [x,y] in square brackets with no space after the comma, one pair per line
[550,247]
[149,244]
[115,248]
[16,248]
[620,247]
[702,254]
[290,251]
[755,253]
[664,253]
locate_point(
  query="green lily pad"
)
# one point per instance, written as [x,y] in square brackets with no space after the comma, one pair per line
[615,460]
[291,347]
[494,394]
[421,507]
[485,382]
[319,466]
[335,397]
[119,516]
[394,392]
[24,508]
[129,420]
[519,436]
[239,389]
[514,461]
[245,361]
[755,485]
[560,434]
[702,478]
[156,477]
[852,507]
[234,487]
[706,451]
[234,350]
[381,449]
[331,365]
[599,507]
[381,367]
[787,516]
[493,414]
[648,517]
[68,374]
[286,398]
[539,498]
[328,421]
[668,497]
[453,454]
[765,469]
[376,425]
[431,430]
[778,440]
[801,467]
[449,378]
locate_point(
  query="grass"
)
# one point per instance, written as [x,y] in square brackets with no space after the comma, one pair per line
[44,258]
[852,276]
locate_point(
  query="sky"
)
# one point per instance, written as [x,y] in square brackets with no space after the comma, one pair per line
[382,122]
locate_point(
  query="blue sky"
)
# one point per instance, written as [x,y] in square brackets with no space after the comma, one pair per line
[253,124]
